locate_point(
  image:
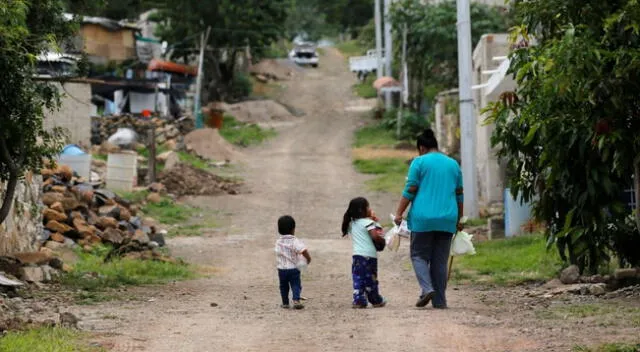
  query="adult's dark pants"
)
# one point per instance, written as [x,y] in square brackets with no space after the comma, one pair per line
[429,256]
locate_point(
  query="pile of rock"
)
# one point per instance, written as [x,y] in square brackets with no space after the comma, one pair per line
[77,214]
[167,132]
[572,282]
[185,180]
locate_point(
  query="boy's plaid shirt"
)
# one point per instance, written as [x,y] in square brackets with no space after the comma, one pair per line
[288,248]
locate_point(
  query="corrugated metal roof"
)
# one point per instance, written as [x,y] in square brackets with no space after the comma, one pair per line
[104,22]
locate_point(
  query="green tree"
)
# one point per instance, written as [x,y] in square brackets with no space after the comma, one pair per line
[235,24]
[27,28]
[432,44]
[570,130]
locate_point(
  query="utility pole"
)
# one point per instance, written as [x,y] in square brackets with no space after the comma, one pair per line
[378,21]
[467,118]
[388,49]
[204,38]
[404,78]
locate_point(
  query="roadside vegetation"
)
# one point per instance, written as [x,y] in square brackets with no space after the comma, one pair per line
[244,134]
[365,88]
[47,339]
[509,261]
[378,150]
[93,278]
[610,347]
[351,48]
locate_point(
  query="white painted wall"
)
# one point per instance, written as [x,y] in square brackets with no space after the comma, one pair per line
[74,114]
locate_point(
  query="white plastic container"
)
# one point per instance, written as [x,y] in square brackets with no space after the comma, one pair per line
[516,214]
[81,164]
[122,171]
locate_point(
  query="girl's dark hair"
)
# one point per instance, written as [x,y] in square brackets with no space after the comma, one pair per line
[357,210]
[427,140]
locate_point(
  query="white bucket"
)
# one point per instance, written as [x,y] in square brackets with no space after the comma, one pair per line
[81,164]
[122,171]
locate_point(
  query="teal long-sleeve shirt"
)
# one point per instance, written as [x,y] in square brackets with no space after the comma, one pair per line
[434,207]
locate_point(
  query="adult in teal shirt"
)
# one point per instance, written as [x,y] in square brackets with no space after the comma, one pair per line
[434,190]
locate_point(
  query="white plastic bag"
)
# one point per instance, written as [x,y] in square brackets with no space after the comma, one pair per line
[123,136]
[403,229]
[462,244]
[392,238]
[302,264]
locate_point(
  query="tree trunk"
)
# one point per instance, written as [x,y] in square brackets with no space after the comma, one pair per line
[7,200]
[636,186]
[14,166]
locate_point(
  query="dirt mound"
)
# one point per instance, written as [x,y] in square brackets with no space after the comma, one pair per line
[208,144]
[272,69]
[186,180]
[259,111]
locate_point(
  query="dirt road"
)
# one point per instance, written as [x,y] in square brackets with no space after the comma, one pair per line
[306,172]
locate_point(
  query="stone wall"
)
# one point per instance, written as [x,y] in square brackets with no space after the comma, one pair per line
[75,112]
[19,231]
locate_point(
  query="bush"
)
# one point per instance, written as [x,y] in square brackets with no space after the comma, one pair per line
[413,124]
[241,86]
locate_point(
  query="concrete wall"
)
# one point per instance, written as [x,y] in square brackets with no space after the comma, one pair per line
[19,231]
[74,114]
[490,172]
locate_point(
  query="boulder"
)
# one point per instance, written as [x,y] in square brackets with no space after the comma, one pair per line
[48,273]
[57,237]
[162,157]
[83,228]
[109,210]
[171,144]
[57,206]
[59,189]
[154,198]
[597,289]
[140,237]
[113,236]
[65,172]
[172,160]
[570,275]
[56,226]
[92,218]
[107,222]
[50,214]
[33,258]
[125,214]
[54,246]
[70,203]
[31,274]
[51,198]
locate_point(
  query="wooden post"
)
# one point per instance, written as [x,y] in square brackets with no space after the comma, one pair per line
[151,173]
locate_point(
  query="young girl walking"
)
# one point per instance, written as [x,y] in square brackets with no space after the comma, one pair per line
[365,233]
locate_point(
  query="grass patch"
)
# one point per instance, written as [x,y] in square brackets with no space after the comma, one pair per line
[169,212]
[92,274]
[609,347]
[477,222]
[144,151]
[192,229]
[244,134]
[374,135]
[193,160]
[351,48]
[134,197]
[390,173]
[365,89]
[510,261]
[608,314]
[46,340]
